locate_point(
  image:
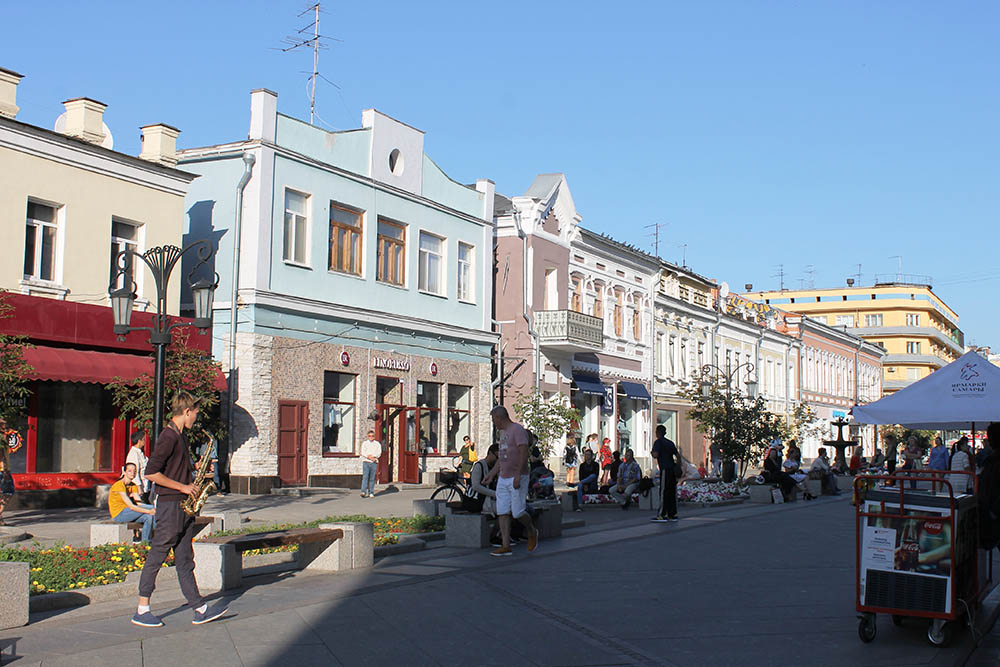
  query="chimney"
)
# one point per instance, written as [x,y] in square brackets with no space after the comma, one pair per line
[159,144]
[8,92]
[85,119]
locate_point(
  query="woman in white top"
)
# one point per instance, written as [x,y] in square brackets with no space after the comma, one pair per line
[137,456]
[960,460]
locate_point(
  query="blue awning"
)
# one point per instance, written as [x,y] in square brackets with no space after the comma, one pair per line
[635,390]
[589,384]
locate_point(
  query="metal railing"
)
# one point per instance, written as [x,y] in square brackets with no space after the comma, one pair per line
[569,326]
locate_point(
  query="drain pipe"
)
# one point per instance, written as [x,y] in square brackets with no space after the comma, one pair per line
[248,162]
[498,382]
[524,286]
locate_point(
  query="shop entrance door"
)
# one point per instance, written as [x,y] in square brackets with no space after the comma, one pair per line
[409,461]
[293,425]
[389,429]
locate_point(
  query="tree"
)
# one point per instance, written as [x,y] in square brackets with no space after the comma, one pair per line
[186,368]
[902,434]
[742,427]
[805,423]
[13,369]
[549,419]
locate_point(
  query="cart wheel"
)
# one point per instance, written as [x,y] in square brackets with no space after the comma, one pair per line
[867,628]
[897,620]
[940,636]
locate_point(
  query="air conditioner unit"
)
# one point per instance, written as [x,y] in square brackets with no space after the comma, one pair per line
[891,369]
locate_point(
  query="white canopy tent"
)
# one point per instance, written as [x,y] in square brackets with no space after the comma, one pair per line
[963,393]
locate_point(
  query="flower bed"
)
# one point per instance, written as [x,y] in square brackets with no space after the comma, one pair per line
[66,569]
[604,499]
[702,492]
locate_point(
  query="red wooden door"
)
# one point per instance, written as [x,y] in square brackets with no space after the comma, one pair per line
[293,425]
[409,461]
[388,429]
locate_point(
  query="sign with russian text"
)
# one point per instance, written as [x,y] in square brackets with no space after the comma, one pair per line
[391,364]
[970,383]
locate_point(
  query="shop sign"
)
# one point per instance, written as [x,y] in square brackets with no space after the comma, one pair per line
[16,401]
[434,369]
[391,364]
[608,405]
[750,311]
[13,440]
[345,358]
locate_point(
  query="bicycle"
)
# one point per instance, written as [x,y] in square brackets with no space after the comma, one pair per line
[453,486]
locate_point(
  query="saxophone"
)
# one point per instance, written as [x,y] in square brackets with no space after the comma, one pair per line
[204,487]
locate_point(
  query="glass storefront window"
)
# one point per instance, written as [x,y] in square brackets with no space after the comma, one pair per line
[339,410]
[668,418]
[459,415]
[429,417]
[74,428]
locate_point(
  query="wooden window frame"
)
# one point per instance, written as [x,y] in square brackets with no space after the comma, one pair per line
[356,235]
[399,245]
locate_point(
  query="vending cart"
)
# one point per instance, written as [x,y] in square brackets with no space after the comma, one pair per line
[918,552]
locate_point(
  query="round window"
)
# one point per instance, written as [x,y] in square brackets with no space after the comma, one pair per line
[396,162]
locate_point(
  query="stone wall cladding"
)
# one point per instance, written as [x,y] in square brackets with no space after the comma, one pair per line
[253,427]
[295,372]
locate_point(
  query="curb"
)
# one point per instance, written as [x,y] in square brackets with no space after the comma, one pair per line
[991,611]
[10,535]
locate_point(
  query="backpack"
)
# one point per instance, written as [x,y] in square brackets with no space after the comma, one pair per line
[569,456]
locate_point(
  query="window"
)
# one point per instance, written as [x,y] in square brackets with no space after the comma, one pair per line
[912,373]
[124,236]
[345,240]
[296,236]
[431,257]
[551,289]
[459,416]
[466,283]
[618,314]
[338,413]
[636,324]
[913,319]
[74,428]
[912,347]
[391,249]
[845,320]
[40,242]
[576,300]
[672,362]
[599,302]
[661,362]
[429,417]
[873,320]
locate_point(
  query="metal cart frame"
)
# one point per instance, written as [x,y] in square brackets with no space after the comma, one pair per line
[964,594]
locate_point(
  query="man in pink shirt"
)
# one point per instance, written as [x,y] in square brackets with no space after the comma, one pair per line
[512,485]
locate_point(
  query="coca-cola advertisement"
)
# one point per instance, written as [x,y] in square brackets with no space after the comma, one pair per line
[918,545]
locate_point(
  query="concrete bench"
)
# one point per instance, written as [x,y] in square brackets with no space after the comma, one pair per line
[814,487]
[467,530]
[224,520]
[761,493]
[845,482]
[428,507]
[330,547]
[111,532]
[13,594]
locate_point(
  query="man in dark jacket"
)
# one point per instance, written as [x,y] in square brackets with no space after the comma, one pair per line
[989,492]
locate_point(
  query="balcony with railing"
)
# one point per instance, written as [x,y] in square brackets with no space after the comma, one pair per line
[569,331]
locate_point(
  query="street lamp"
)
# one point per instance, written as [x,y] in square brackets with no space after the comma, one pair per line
[727,376]
[161,261]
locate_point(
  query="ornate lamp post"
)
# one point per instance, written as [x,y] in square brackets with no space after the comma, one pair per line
[161,261]
[726,376]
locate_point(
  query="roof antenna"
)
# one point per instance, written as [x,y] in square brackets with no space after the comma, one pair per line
[656,226]
[309,36]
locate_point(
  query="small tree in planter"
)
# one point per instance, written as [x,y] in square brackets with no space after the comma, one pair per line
[13,370]
[549,419]
[186,368]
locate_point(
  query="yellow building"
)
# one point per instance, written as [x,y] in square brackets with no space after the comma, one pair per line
[918,330]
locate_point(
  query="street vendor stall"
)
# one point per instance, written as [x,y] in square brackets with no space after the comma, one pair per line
[916,548]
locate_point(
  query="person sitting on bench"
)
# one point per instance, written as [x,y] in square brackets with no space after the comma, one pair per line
[589,471]
[629,475]
[820,469]
[124,503]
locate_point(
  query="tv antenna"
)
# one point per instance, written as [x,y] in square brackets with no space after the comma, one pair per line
[811,272]
[684,255]
[656,226]
[780,275]
[857,277]
[309,36]
[899,267]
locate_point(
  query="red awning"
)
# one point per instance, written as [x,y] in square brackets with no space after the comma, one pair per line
[69,365]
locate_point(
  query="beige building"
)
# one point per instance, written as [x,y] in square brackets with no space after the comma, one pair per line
[918,330]
[68,203]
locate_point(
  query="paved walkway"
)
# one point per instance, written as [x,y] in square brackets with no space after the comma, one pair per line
[744,585]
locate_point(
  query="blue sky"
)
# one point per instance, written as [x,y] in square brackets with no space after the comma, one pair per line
[762,133]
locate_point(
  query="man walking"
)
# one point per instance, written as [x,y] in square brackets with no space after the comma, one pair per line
[512,482]
[170,468]
[371,450]
[666,454]
[629,474]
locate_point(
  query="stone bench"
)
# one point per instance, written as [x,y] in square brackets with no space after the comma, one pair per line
[467,530]
[761,493]
[644,502]
[330,547]
[429,507]
[13,594]
[224,520]
[112,532]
